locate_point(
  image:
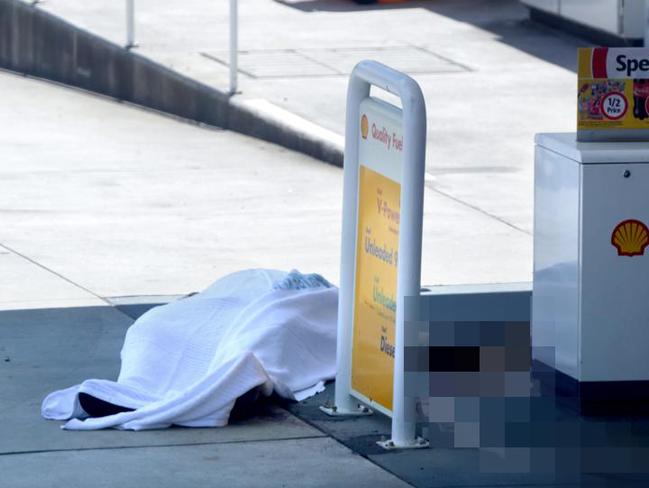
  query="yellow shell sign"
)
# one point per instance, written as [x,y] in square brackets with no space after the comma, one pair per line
[376,287]
[613,91]
[630,238]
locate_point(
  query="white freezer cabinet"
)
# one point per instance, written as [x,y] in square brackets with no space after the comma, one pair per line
[590,301]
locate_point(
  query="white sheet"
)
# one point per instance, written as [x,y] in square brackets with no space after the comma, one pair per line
[187,362]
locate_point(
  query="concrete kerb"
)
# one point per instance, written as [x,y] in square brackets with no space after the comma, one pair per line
[264,120]
[37,43]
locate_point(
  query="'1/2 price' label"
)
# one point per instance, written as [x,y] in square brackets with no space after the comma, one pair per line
[614,105]
[613,92]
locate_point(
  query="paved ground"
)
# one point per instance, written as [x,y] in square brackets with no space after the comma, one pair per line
[569,451]
[491,80]
[53,348]
[101,201]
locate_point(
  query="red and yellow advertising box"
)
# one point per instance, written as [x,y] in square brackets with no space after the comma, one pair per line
[613,94]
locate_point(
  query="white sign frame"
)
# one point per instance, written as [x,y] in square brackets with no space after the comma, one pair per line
[365,75]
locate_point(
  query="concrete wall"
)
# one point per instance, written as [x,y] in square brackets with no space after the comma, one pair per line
[40,44]
[36,43]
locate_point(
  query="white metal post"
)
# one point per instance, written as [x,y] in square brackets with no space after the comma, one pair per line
[234,26]
[130,24]
[345,404]
[412,204]
[646,23]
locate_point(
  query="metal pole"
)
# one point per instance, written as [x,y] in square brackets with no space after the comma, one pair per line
[346,405]
[646,23]
[234,25]
[130,24]
[412,207]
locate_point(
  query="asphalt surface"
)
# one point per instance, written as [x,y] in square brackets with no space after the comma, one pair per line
[106,209]
[100,201]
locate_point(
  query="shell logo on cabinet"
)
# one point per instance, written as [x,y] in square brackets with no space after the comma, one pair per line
[630,238]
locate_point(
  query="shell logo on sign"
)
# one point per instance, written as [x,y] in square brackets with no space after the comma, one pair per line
[630,238]
[365,126]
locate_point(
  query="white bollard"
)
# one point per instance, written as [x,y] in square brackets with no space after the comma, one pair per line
[234,24]
[646,23]
[130,24]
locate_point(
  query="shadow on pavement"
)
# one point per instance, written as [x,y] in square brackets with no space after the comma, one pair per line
[568,451]
[507,19]
[44,350]
[48,349]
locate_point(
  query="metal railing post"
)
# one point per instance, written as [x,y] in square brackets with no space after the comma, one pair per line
[234,25]
[130,24]
[646,23]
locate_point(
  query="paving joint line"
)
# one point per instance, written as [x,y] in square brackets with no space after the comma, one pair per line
[59,275]
[478,209]
[189,444]
[364,456]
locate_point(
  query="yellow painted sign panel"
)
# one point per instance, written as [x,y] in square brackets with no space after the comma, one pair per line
[613,89]
[376,286]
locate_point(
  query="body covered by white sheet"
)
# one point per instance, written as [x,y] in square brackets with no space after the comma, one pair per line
[187,362]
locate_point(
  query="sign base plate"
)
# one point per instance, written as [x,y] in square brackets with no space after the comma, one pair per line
[334,411]
[416,443]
